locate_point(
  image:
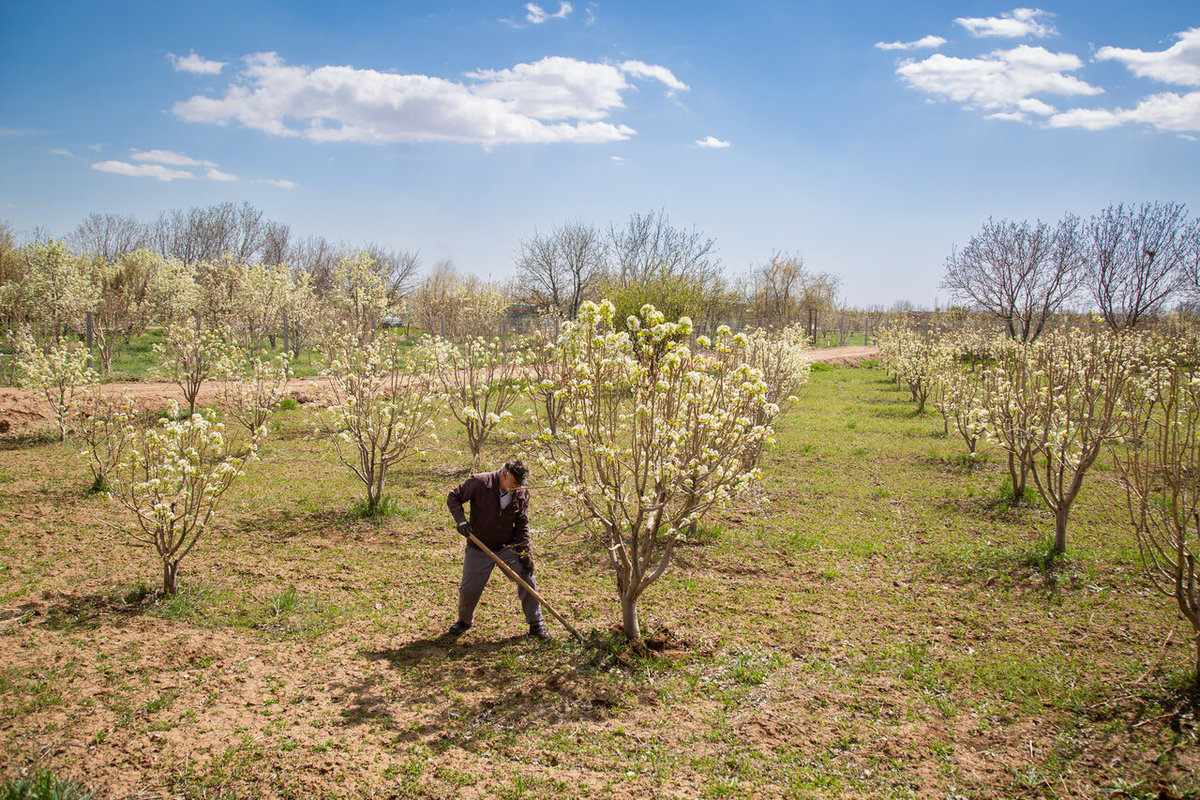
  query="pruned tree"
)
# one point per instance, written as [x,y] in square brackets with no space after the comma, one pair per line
[251,387]
[479,381]
[1019,272]
[106,424]
[651,438]
[189,357]
[559,268]
[1138,257]
[58,372]
[172,479]
[1158,465]
[1054,405]
[381,409]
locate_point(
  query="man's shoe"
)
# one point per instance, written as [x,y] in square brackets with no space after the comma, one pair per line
[459,627]
[539,632]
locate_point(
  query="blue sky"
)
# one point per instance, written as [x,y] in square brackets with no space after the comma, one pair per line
[867,137]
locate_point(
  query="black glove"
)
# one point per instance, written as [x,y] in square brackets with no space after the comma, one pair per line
[464,529]
[526,559]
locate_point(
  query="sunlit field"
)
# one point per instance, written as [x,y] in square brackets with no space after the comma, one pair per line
[879,623]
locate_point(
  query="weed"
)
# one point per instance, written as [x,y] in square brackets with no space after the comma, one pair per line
[44,785]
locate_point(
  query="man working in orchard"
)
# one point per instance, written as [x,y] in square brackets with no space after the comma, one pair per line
[499,506]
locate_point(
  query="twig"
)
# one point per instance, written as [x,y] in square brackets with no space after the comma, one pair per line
[1162,650]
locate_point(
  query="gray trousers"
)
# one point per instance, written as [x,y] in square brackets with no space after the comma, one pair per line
[477,568]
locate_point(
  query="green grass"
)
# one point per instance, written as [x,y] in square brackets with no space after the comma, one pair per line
[885,611]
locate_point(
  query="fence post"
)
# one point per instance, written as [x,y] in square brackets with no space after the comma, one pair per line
[91,321]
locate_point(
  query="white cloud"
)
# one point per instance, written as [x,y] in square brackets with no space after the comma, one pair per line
[278,183]
[195,64]
[619,159]
[640,69]
[165,165]
[96,148]
[1167,111]
[1001,81]
[536,15]
[62,151]
[712,142]
[168,157]
[1015,24]
[1179,64]
[555,99]
[925,42]
[158,171]
[1008,116]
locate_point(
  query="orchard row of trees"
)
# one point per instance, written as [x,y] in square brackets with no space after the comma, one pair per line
[1127,261]
[237,270]
[1057,405]
[645,426]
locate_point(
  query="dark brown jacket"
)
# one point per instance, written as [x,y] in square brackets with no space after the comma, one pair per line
[493,527]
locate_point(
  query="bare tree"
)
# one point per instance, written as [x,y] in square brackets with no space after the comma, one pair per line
[277,237]
[777,287]
[1019,272]
[397,268]
[207,234]
[1138,256]
[319,258]
[561,266]
[108,236]
[648,247]
[675,270]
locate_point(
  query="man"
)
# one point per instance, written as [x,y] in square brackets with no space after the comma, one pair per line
[499,506]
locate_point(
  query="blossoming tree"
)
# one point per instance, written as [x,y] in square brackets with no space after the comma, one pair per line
[171,479]
[1158,468]
[58,373]
[651,436]
[480,380]
[1054,404]
[381,411]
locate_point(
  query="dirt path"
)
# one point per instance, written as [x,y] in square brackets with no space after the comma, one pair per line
[23,413]
[844,356]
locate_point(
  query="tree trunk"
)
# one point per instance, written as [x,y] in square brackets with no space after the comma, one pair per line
[1060,528]
[629,619]
[1018,476]
[170,577]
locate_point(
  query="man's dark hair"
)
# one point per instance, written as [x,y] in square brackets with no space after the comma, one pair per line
[517,469]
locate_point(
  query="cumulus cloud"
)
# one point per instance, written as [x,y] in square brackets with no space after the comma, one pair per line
[195,64]
[62,151]
[168,157]
[1179,64]
[278,183]
[159,171]
[712,142]
[1015,24]
[214,174]
[556,99]
[1001,81]
[1167,111]
[535,14]
[924,43]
